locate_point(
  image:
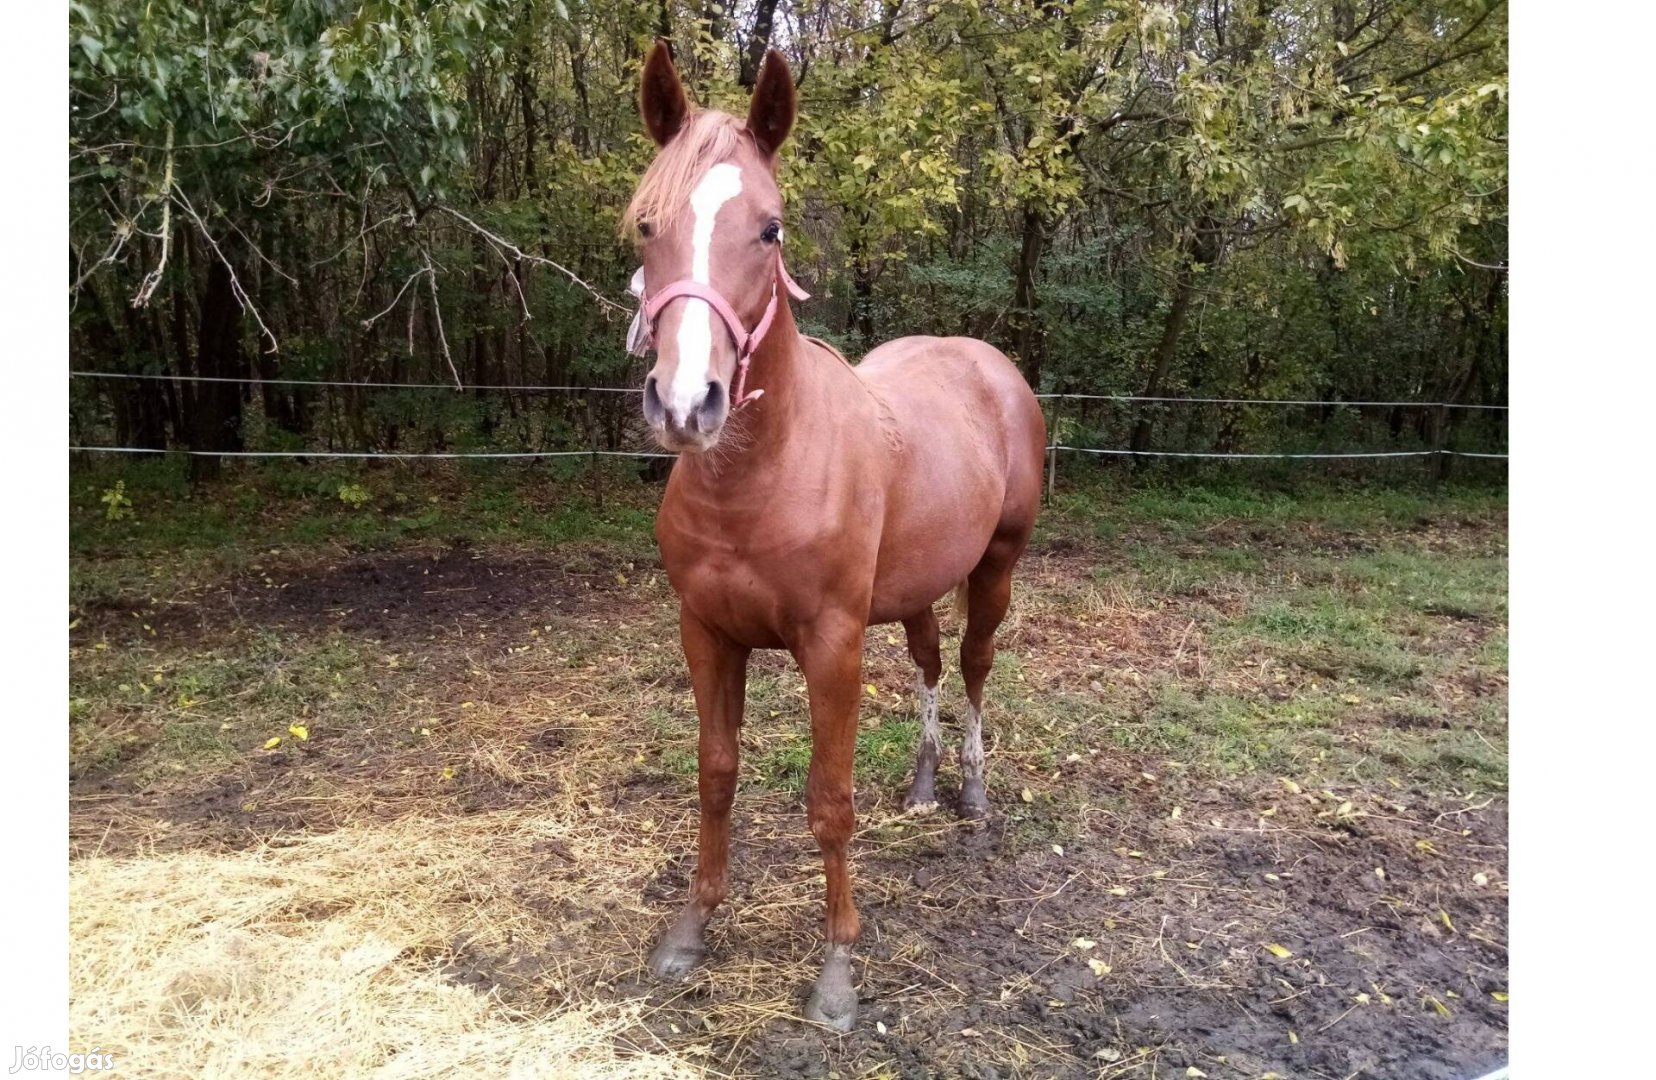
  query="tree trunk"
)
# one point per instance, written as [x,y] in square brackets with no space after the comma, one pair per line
[764,15]
[1200,249]
[1028,343]
[217,423]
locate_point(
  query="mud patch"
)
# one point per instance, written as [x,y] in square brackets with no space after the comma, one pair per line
[384,597]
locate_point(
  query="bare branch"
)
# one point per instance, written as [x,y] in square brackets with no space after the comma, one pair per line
[368,323]
[437,310]
[507,245]
[236,289]
[152,280]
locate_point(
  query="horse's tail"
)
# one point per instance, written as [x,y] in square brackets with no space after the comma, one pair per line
[960,604]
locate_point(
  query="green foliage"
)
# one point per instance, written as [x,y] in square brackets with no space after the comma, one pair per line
[390,184]
[117,506]
[355,496]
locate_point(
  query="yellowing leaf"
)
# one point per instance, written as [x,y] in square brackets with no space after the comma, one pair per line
[1099,967]
[1350,699]
[1117,890]
[1480,879]
[271,744]
[1026,795]
[1293,788]
[873,691]
[1293,1036]
[1194,1073]
[1500,995]
[299,731]
[1083,943]
[1278,951]
[448,772]
[1058,849]
[1442,1009]
[1178,812]
[1444,916]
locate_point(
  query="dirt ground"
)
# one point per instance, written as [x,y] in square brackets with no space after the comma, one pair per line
[1226,843]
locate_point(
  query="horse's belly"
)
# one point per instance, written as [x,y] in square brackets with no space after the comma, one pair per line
[932,542]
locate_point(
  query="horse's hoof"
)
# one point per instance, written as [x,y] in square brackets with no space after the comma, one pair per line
[920,798]
[974,804]
[833,1002]
[674,961]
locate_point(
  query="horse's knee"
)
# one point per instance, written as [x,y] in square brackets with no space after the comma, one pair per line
[829,811]
[716,778]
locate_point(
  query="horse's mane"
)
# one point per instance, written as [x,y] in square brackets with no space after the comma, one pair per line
[706,139]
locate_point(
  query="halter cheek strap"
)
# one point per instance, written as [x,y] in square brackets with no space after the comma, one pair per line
[642,334]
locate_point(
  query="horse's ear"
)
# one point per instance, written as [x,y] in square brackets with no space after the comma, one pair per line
[771,113]
[661,100]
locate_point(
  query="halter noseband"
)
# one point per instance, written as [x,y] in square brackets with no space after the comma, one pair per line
[642,334]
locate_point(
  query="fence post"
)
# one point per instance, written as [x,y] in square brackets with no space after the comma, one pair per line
[1052,451]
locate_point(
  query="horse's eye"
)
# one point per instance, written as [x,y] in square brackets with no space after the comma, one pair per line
[772,233]
[645,230]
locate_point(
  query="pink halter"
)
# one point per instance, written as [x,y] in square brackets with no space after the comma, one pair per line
[747,341]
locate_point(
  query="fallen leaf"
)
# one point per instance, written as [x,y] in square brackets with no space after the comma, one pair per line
[448,772]
[1083,943]
[1117,890]
[1178,812]
[1500,995]
[271,744]
[1293,1037]
[1278,951]
[1380,872]
[1442,1009]
[1058,849]
[1351,699]
[299,731]
[969,1033]
[1480,879]
[1293,788]
[1444,916]
[880,1027]
[1099,967]
[1026,795]
[1195,1073]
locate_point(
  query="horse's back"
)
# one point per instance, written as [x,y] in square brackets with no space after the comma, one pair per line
[927,380]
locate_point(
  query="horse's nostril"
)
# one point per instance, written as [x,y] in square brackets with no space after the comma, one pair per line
[710,411]
[654,413]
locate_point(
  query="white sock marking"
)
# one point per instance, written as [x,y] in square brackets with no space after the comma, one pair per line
[930,732]
[971,747]
[722,183]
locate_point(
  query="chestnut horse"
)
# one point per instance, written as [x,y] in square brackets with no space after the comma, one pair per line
[810,498]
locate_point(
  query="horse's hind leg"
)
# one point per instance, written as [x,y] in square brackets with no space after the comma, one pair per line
[988,593]
[922,646]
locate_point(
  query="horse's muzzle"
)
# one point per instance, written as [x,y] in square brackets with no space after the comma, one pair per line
[694,427]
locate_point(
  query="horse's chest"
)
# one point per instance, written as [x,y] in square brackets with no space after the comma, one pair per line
[761,586]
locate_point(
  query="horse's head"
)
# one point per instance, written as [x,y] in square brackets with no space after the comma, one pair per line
[708,217]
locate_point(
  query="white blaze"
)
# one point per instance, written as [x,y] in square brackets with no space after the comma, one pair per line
[722,183]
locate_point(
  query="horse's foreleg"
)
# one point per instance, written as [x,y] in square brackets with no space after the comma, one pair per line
[718,674]
[831,658]
[922,646]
